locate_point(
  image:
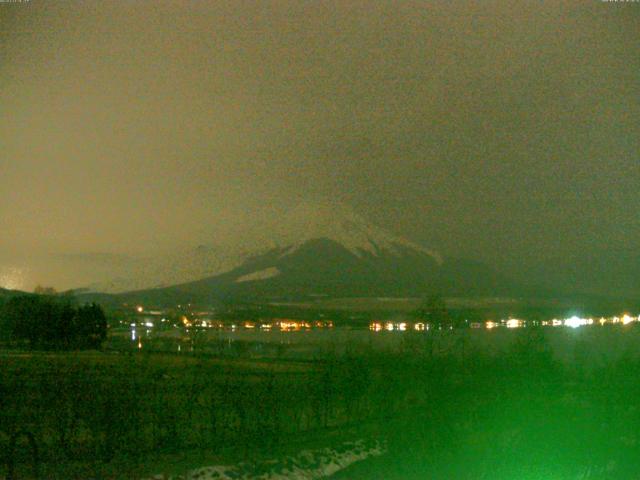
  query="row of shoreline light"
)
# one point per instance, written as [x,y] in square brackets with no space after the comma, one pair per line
[378,326]
[572,322]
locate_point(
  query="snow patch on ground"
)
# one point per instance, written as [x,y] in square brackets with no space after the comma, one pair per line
[259,275]
[306,465]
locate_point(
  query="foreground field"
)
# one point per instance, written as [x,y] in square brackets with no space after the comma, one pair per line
[127,415]
[516,413]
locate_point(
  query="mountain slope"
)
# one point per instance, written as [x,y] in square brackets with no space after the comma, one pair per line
[322,267]
[313,250]
[282,236]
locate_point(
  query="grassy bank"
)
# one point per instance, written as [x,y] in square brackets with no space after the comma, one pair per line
[470,415]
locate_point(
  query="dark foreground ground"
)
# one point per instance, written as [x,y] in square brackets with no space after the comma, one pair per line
[518,414]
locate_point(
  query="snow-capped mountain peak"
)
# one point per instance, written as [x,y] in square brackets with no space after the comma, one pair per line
[304,223]
[341,224]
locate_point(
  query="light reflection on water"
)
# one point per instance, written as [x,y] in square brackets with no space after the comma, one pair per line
[307,342]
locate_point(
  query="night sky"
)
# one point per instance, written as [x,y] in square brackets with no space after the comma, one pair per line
[507,132]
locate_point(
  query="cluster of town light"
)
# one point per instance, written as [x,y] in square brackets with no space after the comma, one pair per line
[399,326]
[195,321]
[575,321]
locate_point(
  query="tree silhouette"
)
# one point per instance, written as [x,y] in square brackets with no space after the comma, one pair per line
[90,326]
[52,322]
[40,290]
[433,310]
